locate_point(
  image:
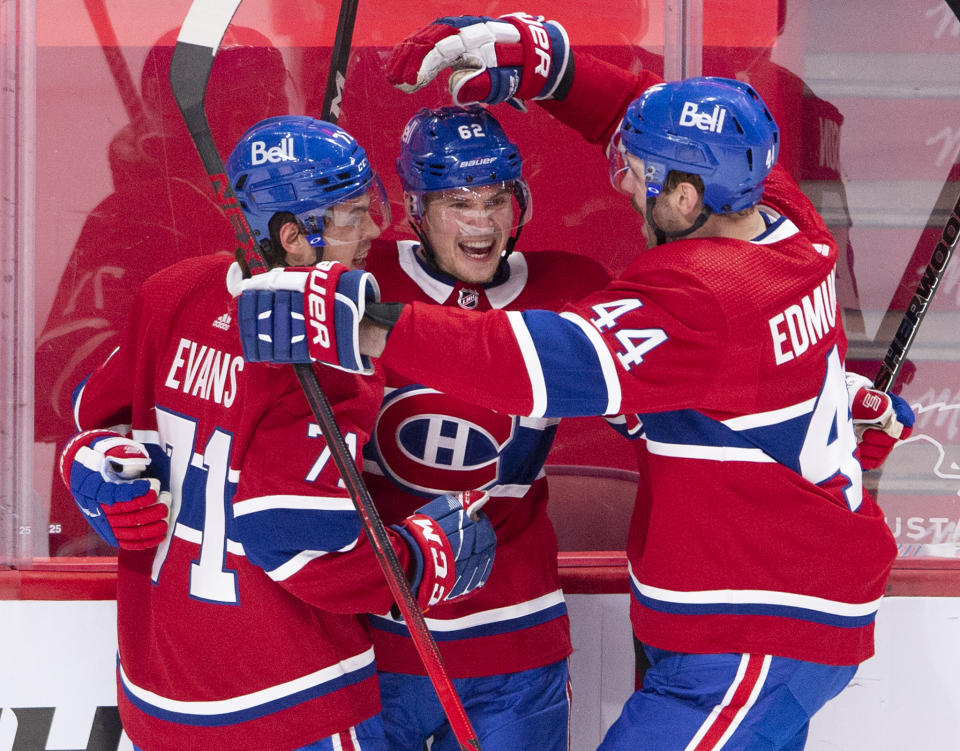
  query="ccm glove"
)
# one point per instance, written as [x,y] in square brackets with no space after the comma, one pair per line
[879,419]
[452,545]
[306,314]
[513,57]
[102,470]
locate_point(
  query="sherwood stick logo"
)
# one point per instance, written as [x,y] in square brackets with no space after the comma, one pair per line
[929,282]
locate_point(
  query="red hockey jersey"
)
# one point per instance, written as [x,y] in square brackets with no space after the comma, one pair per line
[241,629]
[426,443]
[752,531]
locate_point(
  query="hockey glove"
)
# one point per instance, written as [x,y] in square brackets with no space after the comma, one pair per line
[879,419]
[102,470]
[452,545]
[513,57]
[306,314]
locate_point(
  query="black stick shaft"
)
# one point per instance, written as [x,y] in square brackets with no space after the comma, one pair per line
[913,316]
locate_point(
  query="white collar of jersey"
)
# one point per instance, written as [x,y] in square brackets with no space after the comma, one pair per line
[778,227]
[439,287]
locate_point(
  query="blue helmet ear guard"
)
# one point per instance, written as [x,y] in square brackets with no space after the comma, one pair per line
[298,165]
[717,128]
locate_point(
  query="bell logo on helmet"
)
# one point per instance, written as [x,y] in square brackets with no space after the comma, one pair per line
[259,153]
[690,116]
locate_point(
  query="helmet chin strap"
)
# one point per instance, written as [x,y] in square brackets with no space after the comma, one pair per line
[662,235]
[428,253]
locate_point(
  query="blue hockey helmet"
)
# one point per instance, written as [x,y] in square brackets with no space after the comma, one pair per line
[717,128]
[302,166]
[459,147]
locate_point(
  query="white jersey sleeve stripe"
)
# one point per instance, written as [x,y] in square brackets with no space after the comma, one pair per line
[773,417]
[301,559]
[538,386]
[607,365]
[569,369]
[710,453]
[292,502]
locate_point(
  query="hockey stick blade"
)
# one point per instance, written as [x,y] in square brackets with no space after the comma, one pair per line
[200,36]
[197,44]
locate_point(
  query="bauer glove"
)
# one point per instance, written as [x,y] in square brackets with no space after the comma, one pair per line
[306,314]
[510,58]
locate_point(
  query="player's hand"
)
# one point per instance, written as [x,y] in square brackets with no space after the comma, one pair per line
[452,544]
[306,314]
[880,420]
[102,470]
[513,57]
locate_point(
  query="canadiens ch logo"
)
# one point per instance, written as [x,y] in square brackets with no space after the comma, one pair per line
[468,299]
[428,443]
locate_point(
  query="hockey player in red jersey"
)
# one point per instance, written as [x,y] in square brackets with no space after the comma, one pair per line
[242,629]
[161,211]
[506,647]
[757,561]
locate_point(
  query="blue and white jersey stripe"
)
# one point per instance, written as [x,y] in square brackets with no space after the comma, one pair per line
[239,709]
[570,369]
[754,602]
[282,533]
[764,437]
[487,622]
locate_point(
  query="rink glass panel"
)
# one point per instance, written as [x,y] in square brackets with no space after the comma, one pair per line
[102,187]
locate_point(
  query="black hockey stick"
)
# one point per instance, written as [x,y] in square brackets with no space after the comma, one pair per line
[929,282]
[200,36]
[129,94]
[339,57]
[910,323]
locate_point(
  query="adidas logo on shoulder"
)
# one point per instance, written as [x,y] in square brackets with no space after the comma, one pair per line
[222,322]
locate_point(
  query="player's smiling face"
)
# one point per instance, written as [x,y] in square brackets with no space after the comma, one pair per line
[468,229]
